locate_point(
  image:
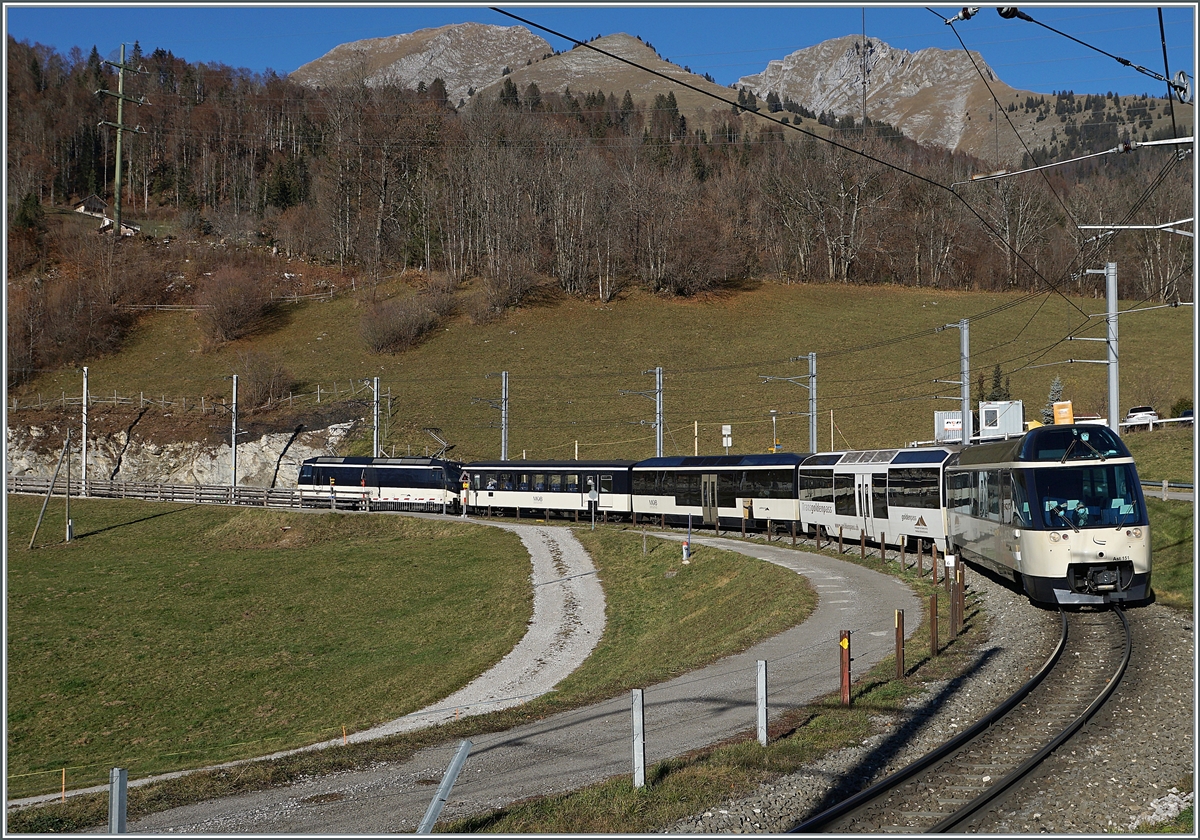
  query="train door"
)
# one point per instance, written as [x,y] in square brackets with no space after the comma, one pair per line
[871,499]
[708,498]
[606,491]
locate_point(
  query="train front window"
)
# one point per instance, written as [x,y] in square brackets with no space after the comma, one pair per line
[1095,496]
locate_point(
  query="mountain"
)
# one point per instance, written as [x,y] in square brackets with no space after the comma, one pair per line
[945,98]
[584,70]
[931,95]
[464,56]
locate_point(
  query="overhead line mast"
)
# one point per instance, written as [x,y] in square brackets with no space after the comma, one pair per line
[119,125]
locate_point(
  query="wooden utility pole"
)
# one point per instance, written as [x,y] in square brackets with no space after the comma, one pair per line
[119,125]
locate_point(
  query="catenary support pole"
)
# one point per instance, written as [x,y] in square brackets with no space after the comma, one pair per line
[1114,374]
[375,437]
[504,416]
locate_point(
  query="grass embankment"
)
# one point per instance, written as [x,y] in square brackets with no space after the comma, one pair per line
[1166,454]
[172,636]
[1173,552]
[568,361]
[66,642]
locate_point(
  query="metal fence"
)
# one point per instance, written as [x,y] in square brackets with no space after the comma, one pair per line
[349,389]
[199,494]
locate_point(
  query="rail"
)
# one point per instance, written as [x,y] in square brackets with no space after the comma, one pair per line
[198,494]
[889,788]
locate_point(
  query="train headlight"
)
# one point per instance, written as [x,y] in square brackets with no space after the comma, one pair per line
[1136,533]
[1054,536]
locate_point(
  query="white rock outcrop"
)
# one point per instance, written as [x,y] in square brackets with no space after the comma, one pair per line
[271,460]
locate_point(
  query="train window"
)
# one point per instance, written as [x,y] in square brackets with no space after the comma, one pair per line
[843,494]
[958,492]
[992,495]
[731,485]
[914,487]
[687,489]
[1020,500]
[879,506]
[539,482]
[556,483]
[606,484]
[816,485]
[571,482]
[643,483]
[491,482]
[523,481]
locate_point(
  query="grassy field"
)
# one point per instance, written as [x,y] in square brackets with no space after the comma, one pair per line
[169,636]
[1164,454]
[570,359]
[1173,552]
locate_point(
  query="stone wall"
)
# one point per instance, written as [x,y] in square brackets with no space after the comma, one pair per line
[272,460]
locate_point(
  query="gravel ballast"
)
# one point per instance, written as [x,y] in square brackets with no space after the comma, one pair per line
[1120,771]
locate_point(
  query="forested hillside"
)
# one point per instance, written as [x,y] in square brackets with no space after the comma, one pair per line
[237,178]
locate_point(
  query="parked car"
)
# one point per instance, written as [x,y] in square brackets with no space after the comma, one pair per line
[1186,417]
[1140,414]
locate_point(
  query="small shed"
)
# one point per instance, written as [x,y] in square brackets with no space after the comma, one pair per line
[93,205]
[126,228]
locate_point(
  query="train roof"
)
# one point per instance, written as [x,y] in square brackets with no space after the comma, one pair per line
[364,461]
[545,465]
[915,455]
[768,459]
[1078,442]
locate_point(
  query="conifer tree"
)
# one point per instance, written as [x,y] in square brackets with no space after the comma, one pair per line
[1056,394]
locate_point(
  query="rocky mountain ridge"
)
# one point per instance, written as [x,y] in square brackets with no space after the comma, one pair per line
[464,56]
[945,98]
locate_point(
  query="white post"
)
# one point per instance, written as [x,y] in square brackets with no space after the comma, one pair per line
[83,466]
[762,702]
[233,444]
[639,740]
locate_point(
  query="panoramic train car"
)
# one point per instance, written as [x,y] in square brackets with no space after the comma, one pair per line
[891,495]
[380,483]
[548,487]
[1058,510]
[714,489]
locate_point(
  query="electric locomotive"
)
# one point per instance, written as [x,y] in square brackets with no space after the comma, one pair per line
[1059,510]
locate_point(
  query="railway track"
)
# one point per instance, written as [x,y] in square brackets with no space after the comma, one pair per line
[954,787]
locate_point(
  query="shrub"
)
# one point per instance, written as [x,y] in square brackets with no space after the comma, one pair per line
[393,325]
[262,379]
[1181,405]
[234,303]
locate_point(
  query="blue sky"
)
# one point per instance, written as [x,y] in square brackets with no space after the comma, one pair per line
[727,41]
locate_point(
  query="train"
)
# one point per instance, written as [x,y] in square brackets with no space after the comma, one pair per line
[1057,510]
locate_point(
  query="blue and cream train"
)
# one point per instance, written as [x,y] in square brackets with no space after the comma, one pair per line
[1058,510]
